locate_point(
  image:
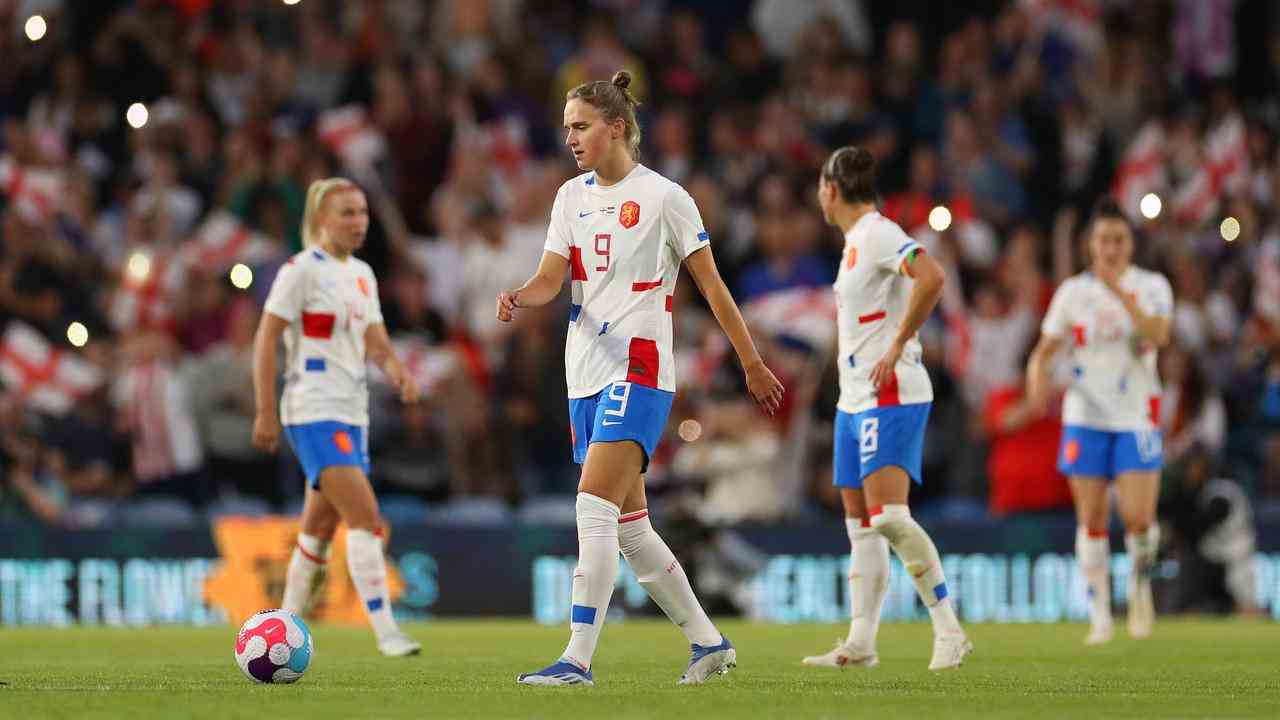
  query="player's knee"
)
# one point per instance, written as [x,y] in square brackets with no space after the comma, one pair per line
[596,516]
[1137,525]
[893,522]
[633,530]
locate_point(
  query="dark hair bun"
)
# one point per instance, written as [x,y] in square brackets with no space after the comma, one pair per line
[622,79]
[853,170]
[862,160]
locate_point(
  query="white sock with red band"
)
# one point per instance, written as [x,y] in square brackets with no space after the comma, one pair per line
[594,578]
[663,577]
[920,558]
[868,582]
[309,558]
[1093,555]
[368,570]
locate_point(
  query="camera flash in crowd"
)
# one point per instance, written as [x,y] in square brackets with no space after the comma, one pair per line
[1230,229]
[292,2]
[940,218]
[36,27]
[77,334]
[689,430]
[138,267]
[137,116]
[1150,206]
[241,276]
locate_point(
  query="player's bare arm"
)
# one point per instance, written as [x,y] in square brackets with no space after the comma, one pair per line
[540,289]
[380,352]
[266,422]
[1038,385]
[924,297]
[761,383]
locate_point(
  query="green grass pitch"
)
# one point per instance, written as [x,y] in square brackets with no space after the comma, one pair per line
[1191,668]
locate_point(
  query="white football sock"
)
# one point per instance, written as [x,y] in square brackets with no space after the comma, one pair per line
[1142,548]
[369,574]
[594,577]
[663,577]
[868,582]
[308,560]
[1093,554]
[920,559]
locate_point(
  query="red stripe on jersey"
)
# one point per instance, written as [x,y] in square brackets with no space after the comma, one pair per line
[642,362]
[644,286]
[1153,404]
[866,522]
[1077,332]
[875,510]
[575,262]
[670,300]
[318,325]
[864,319]
[888,392]
[630,517]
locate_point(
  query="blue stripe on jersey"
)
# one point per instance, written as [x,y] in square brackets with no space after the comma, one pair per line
[904,247]
[374,605]
[591,180]
[583,614]
[574,310]
[315,364]
[704,237]
[317,255]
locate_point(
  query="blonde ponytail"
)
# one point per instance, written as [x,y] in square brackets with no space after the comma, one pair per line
[316,193]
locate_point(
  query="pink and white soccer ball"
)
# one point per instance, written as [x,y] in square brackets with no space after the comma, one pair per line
[274,646]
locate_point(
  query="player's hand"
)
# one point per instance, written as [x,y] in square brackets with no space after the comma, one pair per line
[1111,279]
[507,304]
[764,387]
[266,432]
[409,392]
[883,372]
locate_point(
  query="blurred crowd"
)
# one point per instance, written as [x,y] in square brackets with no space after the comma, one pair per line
[139,240]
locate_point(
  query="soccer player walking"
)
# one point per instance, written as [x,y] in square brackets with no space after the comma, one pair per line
[324,303]
[885,397]
[1112,317]
[622,232]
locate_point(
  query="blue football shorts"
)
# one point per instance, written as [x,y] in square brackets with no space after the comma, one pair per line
[877,438]
[1108,453]
[621,411]
[319,445]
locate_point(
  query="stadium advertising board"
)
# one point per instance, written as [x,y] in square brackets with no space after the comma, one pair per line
[223,574]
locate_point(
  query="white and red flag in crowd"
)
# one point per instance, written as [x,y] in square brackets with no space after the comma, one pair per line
[1142,169]
[155,401]
[802,318]
[35,192]
[351,134]
[148,290]
[1224,169]
[222,240]
[46,378]
[430,365]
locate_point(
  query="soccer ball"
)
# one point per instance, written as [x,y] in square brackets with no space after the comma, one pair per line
[274,646]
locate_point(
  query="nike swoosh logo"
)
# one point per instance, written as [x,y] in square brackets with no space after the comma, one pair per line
[584,214]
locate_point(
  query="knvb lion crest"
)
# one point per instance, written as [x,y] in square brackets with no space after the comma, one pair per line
[629,215]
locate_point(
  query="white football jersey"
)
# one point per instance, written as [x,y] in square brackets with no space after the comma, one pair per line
[1114,383]
[872,288]
[329,304]
[625,244]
